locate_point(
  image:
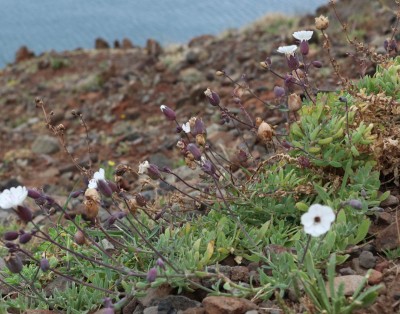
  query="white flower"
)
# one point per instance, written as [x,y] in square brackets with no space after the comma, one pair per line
[163,107]
[186,127]
[303,35]
[287,50]
[317,220]
[13,197]
[143,167]
[99,175]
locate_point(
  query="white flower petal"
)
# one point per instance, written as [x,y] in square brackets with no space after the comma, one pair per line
[317,220]
[287,50]
[98,175]
[186,127]
[303,35]
[13,197]
[143,167]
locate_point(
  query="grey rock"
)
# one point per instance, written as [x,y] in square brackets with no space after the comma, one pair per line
[45,145]
[350,282]
[367,259]
[346,271]
[390,201]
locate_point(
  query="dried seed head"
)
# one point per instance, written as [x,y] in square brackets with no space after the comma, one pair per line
[200,139]
[140,200]
[321,22]
[13,263]
[304,162]
[265,132]
[79,238]
[220,73]
[294,102]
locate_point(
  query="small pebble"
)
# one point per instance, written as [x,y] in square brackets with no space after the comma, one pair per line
[375,277]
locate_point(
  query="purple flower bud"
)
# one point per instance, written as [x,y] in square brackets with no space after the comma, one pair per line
[112,186]
[289,82]
[34,194]
[25,238]
[279,91]
[356,204]
[77,193]
[13,263]
[49,200]
[286,144]
[268,61]
[293,62]
[168,113]
[386,44]
[212,97]
[24,213]
[317,64]
[199,127]
[392,45]
[304,47]
[208,167]
[153,172]
[11,245]
[44,264]
[160,263]
[104,188]
[140,200]
[152,275]
[11,235]
[111,220]
[194,150]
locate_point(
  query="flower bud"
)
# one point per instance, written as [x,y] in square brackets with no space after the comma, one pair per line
[13,263]
[44,265]
[34,194]
[11,235]
[152,274]
[160,263]
[140,200]
[293,62]
[168,113]
[207,167]
[76,194]
[289,82]
[279,91]
[294,102]
[321,22]
[264,65]
[11,245]
[104,188]
[24,213]
[25,238]
[304,47]
[79,238]
[356,204]
[153,172]
[194,150]
[220,73]
[213,97]
[112,186]
[199,127]
[317,64]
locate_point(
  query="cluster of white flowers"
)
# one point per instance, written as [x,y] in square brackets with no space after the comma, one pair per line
[317,220]
[12,198]
[301,36]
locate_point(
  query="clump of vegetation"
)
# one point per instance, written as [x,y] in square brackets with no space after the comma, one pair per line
[288,214]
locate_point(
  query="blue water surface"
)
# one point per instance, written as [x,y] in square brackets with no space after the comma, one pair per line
[68,24]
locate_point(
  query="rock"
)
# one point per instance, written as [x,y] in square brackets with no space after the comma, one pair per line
[154,310]
[388,238]
[385,218]
[382,265]
[346,271]
[154,49]
[23,54]
[351,283]
[375,277]
[367,259]
[127,44]
[240,273]
[194,310]
[191,76]
[192,56]
[174,303]
[9,183]
[100,43]
[155,294]
[390,201]
[227,305]
[45,144]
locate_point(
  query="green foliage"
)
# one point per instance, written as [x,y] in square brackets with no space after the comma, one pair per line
[325,298]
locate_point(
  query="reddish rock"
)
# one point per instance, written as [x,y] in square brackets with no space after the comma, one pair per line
[100,43]
[23,54]
[382,265]
[240,273]
[227,305]
[375,277]
[127,44]
[350,282]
